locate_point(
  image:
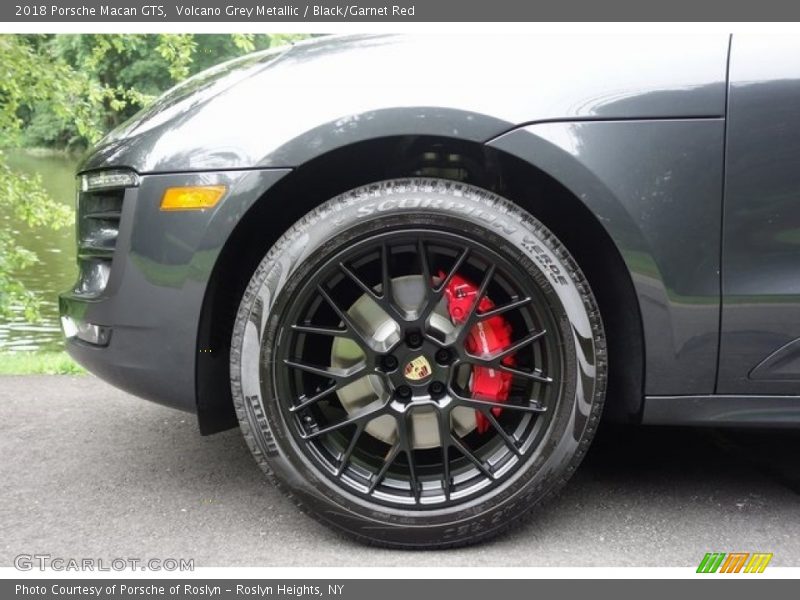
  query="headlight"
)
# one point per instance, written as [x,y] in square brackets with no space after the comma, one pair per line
[103,180]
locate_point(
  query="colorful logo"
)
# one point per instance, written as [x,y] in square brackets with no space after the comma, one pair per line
[734,562]
[417,369]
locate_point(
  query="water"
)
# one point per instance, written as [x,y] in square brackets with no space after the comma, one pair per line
[56,270]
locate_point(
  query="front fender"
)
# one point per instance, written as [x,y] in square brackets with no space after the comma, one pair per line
[656,187]
[281,109]
[154,297]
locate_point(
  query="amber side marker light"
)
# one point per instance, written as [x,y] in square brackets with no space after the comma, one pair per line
[192,197]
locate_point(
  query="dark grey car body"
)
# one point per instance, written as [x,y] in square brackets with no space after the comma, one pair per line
[677,157]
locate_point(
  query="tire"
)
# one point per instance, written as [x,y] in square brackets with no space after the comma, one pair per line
[354,445]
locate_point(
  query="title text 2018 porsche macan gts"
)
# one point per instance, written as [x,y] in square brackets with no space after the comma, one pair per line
[416,271]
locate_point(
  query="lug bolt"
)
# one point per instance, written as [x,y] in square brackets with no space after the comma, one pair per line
[443,356]
[436,389]
[414,339]
[403,392]
[388,363]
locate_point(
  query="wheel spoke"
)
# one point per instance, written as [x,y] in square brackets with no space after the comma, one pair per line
[350,447]
[495,360]
[359,282]
[511,443]
[432,339]
[425,266]
[472,314]
[431,297]
[364,341]
[445,437]
[456,266]
[380,299]
[329,331]
[391,456]
[434,294]
[499,310]
[472,458]
[364,415]
[341,376]
[416,487]
[404,438]
[385,299]
[527,340]
[526,374]
[481,404]
[306,402]
[387,295]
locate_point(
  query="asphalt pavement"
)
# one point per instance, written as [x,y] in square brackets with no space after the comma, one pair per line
[90,471]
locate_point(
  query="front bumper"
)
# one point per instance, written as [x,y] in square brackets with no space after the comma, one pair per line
[160,266]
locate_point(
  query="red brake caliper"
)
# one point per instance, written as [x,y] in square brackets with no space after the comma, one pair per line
[487,337]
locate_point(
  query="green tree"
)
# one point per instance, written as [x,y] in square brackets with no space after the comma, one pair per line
[65,91]
[28,77]
[132,69]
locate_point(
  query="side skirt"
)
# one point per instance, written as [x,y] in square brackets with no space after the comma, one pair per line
[723,410]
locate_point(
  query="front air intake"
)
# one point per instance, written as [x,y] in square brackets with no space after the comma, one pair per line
[99,213]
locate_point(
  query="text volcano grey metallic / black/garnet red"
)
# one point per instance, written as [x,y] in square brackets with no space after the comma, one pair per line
[416,271]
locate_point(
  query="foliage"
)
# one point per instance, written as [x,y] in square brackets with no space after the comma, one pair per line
[31,76]
[26,78]
[130,70]
[65,92]
[24,197]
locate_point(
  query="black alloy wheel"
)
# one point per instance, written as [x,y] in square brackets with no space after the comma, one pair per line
[418,363]
[350,324]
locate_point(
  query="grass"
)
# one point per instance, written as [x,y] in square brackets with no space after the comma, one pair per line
[38,363]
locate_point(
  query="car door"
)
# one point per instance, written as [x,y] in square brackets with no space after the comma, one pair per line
[760,324]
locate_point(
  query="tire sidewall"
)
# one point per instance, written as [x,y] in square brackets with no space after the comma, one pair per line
[422,203]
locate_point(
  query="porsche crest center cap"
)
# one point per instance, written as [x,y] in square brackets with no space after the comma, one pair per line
[417,369]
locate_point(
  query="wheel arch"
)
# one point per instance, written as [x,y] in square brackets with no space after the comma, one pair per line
[330,174]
